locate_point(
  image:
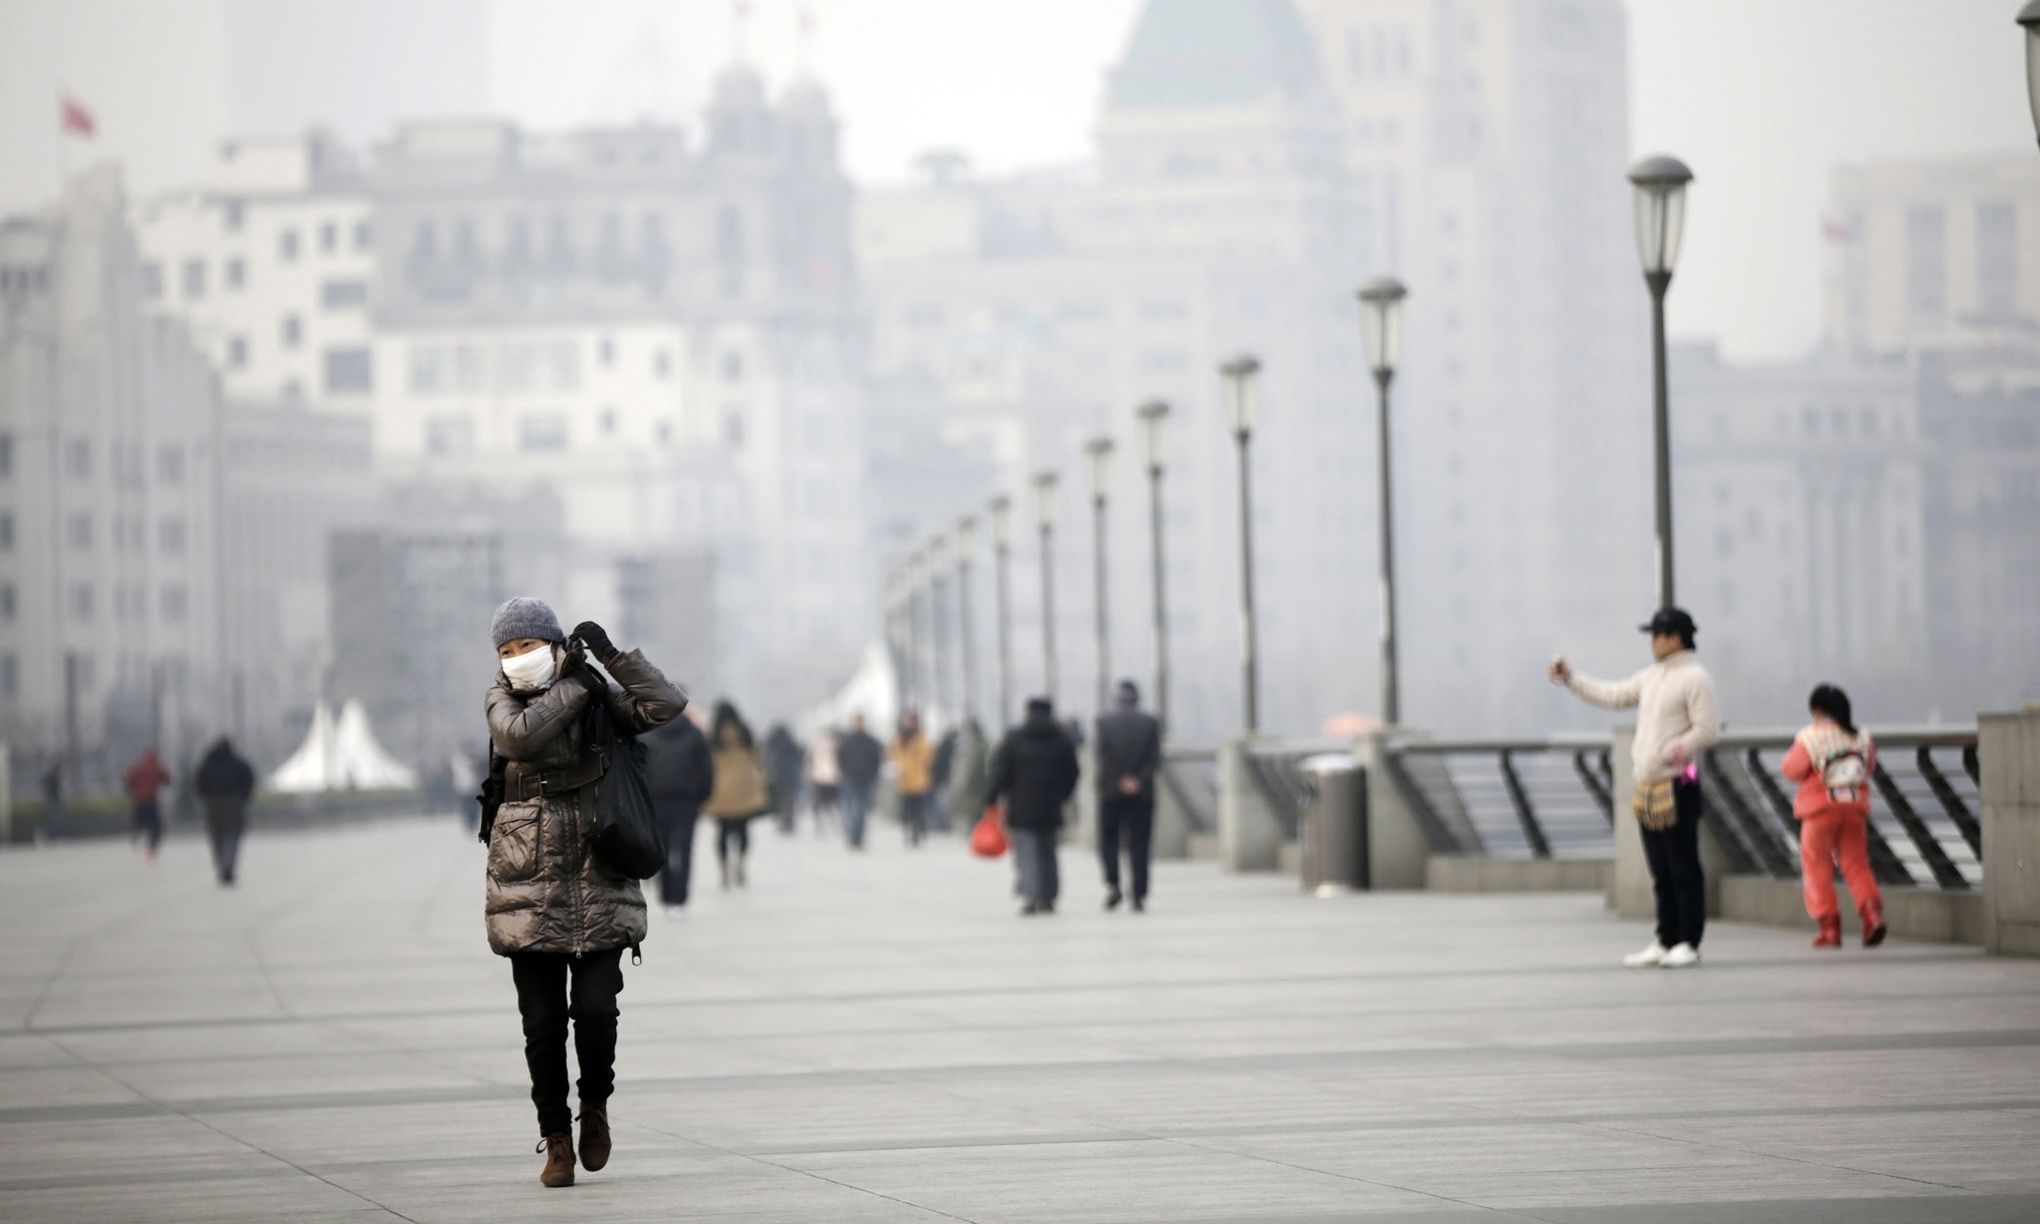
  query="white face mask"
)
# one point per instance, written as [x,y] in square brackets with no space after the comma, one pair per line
[532,670]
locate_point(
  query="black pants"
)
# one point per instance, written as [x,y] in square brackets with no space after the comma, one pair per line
[546,1002]
[732,835]
[1674,856]
[914,815]
[225,820]
[149,822]
[1135,816]
[679,869]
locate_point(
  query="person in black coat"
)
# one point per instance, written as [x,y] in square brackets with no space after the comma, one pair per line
[224,783]
[1129,753]
[680,772]
[1035,773]
[859,755]
[784,757]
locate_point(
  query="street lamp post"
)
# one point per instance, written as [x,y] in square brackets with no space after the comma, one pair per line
[1381,305]
[966,548]
[1044,516]
[2029,17]
[1242,407]
[1000,509]
[1098,466]
[937,561]
[1154,421]
[917,641]
[1660,219]
[896,628]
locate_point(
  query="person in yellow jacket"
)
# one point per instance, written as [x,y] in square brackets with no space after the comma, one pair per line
[913,759]
[740,792]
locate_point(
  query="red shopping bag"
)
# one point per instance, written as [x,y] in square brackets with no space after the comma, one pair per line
[988,839]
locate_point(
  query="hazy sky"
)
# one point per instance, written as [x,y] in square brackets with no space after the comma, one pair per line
[1761,97]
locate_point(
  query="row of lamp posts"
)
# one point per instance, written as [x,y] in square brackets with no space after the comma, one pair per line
[1660,186]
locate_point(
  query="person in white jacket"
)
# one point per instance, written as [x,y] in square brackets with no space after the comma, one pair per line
[1676,720]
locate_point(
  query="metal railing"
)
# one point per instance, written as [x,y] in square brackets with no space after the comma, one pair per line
[1189,774]
[1277,771]
[1555,798]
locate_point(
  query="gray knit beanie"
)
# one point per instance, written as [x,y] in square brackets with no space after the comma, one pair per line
[525,617]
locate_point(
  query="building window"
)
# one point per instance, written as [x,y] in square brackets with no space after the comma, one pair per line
[237,352]
[1926,263]
[7,602]
[81,601]
[234,215]
[733,425]
[6,455]
[170,537]
[78,531]
[349,371]
[237,273]
[78,458]
[1997,259]
[363,235]
[346,294]
[152,279]
[194,278]
[170,465]
[329,238]
[662,364]
[665,433]
[733,367]
[293,390]
[10,677]
[605,352]
[173,603]
[6,533]
[452,434]
[729,251]
[287,246]
[553,365]
[542,432]
[608,422]
[291,330]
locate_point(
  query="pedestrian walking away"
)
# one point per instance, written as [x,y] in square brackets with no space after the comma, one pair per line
[144,782]
[741,792]
[913,761]
[1833,761]
[939,773]
[968,775]
[1676,721]
[859,755]
[53,798]
[681,774]
[561,917]
[224,783]
[1129,753]
[1035,772]
[784,758]
[824,780]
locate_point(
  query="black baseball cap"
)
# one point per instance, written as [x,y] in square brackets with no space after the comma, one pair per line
[1670,620]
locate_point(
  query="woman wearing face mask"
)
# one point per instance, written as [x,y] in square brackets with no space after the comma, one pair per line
[560,916]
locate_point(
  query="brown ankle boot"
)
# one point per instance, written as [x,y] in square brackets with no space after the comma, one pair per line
[594,1136]
[559,1160]
[1873,924]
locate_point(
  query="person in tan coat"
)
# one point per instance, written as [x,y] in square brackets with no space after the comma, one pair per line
[741,793]
[557,912]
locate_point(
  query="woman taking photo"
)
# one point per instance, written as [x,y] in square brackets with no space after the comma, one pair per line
[740,795]
[1833,763]
[560,915]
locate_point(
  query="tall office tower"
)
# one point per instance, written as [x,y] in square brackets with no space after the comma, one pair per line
[109,450]
[1492,136]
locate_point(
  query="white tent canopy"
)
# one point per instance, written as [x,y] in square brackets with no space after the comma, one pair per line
[340,755]
[874,692]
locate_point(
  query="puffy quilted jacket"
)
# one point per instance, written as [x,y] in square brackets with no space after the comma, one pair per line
[546,892]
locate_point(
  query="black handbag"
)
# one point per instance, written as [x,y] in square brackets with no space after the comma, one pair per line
[625,833]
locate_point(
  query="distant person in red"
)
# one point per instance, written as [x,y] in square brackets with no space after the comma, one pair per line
[145,780]
[1833,762]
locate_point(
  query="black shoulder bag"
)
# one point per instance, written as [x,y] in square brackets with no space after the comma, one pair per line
[625,832]
[491,796]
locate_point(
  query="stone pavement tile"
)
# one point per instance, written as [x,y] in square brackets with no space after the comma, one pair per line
[158,1145]
[286,1075]
[1977,1074]
[54,1086]
[1919,1209]
[284,1194]
[22,1051]
[313,1138]
[1106,1181]
[1968,1149]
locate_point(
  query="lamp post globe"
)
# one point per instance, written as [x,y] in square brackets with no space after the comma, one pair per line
[1242,406]
[1381,328]
[2029,17]
[1154,452]
[1660,183]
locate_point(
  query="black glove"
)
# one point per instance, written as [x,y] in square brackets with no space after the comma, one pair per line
[597,641]
[575,667]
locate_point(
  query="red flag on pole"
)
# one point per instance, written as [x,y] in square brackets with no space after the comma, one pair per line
[73,119]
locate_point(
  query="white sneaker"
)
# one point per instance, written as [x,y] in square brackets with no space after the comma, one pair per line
[1681,956]
[1649,958]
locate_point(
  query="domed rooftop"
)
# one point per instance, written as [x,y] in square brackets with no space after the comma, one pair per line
[739,86]
[1214,53]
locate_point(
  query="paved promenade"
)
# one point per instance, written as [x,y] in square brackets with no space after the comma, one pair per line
[881,1039]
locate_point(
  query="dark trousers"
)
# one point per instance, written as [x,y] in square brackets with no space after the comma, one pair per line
[1133,815]
[225,820]
[856,809]
[546,1002]
[1674,856]
[1034,852]
[149,822]
[732,835]
[914,815]
[679,869]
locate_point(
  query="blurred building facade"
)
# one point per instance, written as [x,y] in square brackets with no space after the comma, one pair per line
[1257,162]
[110,447]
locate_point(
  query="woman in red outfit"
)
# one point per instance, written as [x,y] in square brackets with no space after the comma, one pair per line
[1833,763]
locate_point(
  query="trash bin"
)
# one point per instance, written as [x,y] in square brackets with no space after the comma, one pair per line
[1334,832]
